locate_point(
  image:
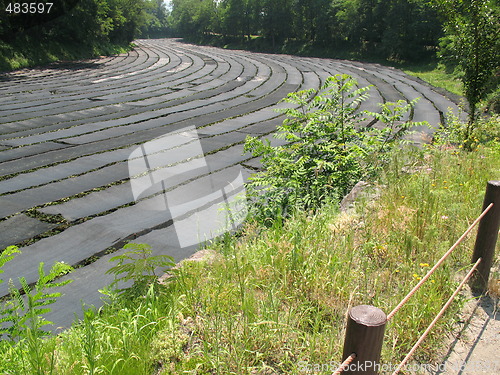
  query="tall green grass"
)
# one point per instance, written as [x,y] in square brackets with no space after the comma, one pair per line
[437,75]
[276,298]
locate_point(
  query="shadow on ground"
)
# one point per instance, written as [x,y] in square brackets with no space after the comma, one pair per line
[472,344]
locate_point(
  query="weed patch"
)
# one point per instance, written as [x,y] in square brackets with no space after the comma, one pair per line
[277,296]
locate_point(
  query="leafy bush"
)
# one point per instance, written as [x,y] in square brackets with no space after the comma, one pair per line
[326,150]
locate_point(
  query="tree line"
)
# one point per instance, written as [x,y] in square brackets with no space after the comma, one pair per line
[400,29]
[86,22]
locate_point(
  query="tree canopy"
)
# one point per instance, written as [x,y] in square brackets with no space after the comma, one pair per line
[400,29]
[86,21]
[472,28]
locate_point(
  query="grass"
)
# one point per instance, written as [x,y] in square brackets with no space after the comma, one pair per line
[275,299]
[25,52]
[437,75]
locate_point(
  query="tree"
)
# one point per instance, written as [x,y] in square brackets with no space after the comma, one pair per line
[156,24]
[410,27]
[368,22]
[130,17]
[472,28]
[194,18]
[312,20]
[277,17]
[234,16]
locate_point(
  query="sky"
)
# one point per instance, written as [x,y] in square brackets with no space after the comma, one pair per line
[168,4]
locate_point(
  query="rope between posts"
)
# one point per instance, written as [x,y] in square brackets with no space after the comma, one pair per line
[447,304]
[345,364]
[443,258]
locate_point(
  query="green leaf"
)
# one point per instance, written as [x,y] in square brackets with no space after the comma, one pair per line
[6,256]
[139,266]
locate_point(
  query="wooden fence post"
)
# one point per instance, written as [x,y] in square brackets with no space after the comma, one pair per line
[486,238]
[364,336]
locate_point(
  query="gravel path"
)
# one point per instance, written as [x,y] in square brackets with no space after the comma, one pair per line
[475,341]
[68,130]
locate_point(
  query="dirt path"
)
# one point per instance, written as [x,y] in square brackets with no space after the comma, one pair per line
[475,343]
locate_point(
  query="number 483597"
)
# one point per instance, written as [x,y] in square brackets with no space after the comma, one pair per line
[28,8]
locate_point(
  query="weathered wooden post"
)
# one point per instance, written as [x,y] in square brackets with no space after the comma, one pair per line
[364,336]
[486,239]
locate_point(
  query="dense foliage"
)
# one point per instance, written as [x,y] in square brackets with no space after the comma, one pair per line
[472,29]
[401,29]
[328,148]
[75,29]
[85,21]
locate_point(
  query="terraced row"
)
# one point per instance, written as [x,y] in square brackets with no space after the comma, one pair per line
[68,130]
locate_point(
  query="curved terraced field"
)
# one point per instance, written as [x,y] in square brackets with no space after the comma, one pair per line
[67,131]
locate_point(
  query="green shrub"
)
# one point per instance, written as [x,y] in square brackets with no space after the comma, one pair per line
[327,150]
